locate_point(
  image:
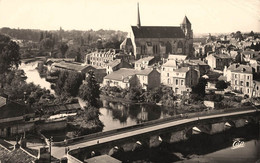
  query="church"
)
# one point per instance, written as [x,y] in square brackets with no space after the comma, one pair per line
[160,41]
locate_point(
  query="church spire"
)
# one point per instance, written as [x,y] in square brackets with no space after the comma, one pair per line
[138,17]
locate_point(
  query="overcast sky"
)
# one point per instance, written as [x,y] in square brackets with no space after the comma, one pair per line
[205,15]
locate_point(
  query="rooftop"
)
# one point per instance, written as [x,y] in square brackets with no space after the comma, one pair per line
[16,155]
[74,66]
[157,32]
[170,63]
[114,63]
[127,41]
[102,159]
[145,59]
[182,69]
[121,74]
[12,109]
[240,68]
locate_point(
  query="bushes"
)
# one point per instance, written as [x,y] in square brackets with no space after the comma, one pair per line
[163,94]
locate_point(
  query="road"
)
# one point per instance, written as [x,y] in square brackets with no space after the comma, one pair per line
[59,152]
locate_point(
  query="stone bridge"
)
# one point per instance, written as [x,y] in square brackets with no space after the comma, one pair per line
[170,132]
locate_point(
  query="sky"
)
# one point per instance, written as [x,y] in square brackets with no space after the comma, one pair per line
[206,16]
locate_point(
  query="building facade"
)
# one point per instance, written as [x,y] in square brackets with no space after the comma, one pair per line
[218,61]
[240,78]
[180,79]
[159,41]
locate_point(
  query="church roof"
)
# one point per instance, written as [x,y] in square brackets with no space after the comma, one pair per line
[127,41]
[157,32]
[186,20]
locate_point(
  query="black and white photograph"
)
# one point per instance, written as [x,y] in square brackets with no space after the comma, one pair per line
[129,81]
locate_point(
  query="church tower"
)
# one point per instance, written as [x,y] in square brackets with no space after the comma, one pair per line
[138,17]
[186,28]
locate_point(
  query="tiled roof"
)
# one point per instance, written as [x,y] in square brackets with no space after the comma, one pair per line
[146,71]
[16,155]
[127,41]
[182,69]
[222,56]
[71,66]
[121,74]
[55,108]
[114,63]
[177,57]
[157,32]
[251,52]
[170,63]
[197,62]
[145,59]
[240,68]
[12,109]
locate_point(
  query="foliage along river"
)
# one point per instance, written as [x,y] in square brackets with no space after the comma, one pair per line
[117,115]
[113,115]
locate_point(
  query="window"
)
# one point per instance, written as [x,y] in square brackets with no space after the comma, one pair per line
[257,88]
[235,75]
[182,82]
[169,81]
[235,82]
[241,83]
[248,77]
[247,84]
[247,90]
[163,68]
[177,82]
[167,74]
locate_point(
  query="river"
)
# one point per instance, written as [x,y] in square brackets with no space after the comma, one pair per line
[113,115]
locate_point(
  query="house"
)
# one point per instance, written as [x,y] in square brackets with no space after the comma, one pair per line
[250,55]
[123,78]
[147,78]
[116,65]
[80,68]
[102,57]
[14,118]
[71,66]
[144,63]
[218,61]
[180,79]
[199,65]
[240,78]
[159,41]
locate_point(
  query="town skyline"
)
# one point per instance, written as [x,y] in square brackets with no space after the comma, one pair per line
[206,17]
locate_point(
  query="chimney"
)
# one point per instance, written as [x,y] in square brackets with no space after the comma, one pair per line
[138,17]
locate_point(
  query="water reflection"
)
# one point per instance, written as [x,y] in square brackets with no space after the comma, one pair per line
[33,75]
[117,115]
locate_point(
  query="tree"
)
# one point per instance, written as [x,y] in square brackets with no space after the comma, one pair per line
[63,49]
[221,85]
[134,93]
[238,35]
[89,91]
[9,57]
[63,75]
[199,89]
[72,83]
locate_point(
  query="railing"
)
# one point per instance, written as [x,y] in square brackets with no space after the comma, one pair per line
[149,123]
